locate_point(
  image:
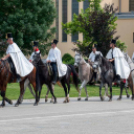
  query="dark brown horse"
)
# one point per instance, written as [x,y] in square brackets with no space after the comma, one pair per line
[7,77]
[46,78]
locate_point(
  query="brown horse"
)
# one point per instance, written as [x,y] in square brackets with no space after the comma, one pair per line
[7,77]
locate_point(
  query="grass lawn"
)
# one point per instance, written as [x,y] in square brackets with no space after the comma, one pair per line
[13,91]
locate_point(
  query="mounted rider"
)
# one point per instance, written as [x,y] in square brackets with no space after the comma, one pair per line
[92,57]
[22,66]
[35,51]
[54,58]
[116,57]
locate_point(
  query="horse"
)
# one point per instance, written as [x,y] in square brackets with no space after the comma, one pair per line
[46,78]
[107,74]
[86,74]
[6,76]
[130,80]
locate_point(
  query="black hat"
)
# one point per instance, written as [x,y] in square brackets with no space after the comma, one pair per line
[55,41]
[35,43]
[9,35]
[113,41]
[94,46]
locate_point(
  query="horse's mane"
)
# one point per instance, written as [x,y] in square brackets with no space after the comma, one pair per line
[105,62]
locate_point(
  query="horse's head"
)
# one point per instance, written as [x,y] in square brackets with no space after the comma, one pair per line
[77,58]
[97,62]
[36,58]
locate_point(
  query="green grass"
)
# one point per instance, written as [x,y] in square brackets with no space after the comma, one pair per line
[13,92]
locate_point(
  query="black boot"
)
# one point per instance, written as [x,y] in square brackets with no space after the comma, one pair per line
[54,79]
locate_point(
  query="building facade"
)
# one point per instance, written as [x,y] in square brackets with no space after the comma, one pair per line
[66,9]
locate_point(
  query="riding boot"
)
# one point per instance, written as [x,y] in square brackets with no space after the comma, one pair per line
[54,79]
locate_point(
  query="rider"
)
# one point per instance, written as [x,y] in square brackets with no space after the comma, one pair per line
[93,54]
[92,57]
[54,58]
[116,57]
[35,50]
[22,66]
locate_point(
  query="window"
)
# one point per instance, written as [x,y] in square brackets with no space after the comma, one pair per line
[131,5]
[64,19]
[75,9]
[57,20]
[85,4]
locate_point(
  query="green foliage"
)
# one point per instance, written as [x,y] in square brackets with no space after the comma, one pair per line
[68,59]
[97,26]
[121,45]
[28,20]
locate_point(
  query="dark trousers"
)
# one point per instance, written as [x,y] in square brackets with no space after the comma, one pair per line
[54,67]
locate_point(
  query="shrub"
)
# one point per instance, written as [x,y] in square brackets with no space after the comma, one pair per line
[68,59]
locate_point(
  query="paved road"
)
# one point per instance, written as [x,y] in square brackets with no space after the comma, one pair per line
[92,117]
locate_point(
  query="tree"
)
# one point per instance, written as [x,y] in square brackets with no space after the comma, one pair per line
[27,20]
[97,25]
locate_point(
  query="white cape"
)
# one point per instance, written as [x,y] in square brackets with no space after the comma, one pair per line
[121,65]
[62,68]
[22,65]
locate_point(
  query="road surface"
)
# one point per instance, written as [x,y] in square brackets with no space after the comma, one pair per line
[76,117]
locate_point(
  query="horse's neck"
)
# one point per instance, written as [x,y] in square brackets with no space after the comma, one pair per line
[82,65]
[82,61]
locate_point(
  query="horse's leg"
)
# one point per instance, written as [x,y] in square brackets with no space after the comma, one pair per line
[121,90]
[106,90]
[82,86]
[46,97]
[25,86]
[21,94]
[52,98]
[68,86]
[132,85]
[86,99]
[110,99]
[126,84]
[51,91]
[65,89]
[101,97]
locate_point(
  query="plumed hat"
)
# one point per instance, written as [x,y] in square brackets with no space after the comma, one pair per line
[35,43]
[113,41]
[94,46]
[9,35]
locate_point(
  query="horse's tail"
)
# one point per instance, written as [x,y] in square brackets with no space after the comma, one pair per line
[75,76]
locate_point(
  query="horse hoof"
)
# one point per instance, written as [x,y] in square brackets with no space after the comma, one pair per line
[10,102]
[54,102]
[110,100]
[128,96]
[102,99]
[68,100]
[132,98]
[86,99]
[16,105]
[65,101]
[79,99]
[46,100]
[35,104]
[119,99]
[51,101]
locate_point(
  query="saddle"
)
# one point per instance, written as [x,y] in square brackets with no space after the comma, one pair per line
[50,70]
[12,69]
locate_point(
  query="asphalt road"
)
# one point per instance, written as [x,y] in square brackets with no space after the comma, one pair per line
[92,117]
